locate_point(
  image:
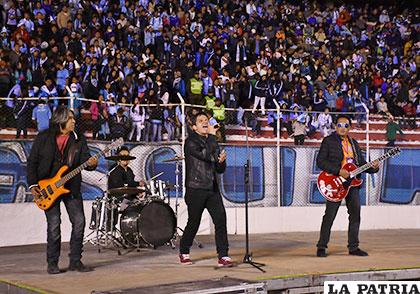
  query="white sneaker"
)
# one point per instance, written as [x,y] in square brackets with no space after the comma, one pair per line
[185,259]
[225,261]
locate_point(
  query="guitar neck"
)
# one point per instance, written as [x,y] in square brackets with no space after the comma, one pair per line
[77,170]
[368,165]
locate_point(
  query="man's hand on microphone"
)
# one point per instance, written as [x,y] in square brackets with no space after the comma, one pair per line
[212,130]
[222,156]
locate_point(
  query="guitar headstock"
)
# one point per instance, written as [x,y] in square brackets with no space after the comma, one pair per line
[114,145]
[394,151]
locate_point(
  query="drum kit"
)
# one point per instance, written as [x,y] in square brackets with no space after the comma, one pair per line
[144,214]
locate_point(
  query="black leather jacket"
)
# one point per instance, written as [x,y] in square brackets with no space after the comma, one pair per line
[45,159]
[202,164]
[331,155]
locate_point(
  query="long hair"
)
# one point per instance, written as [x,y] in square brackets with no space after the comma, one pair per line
[60,117]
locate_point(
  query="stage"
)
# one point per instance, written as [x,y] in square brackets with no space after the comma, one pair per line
[289,257]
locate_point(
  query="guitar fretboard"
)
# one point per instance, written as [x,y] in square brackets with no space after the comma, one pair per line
[119,142]
[369,164]
[77,170]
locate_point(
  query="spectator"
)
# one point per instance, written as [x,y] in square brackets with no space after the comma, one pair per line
[272,122]
[128,48]
[391,131]
[104,132]
[169,115]
[382,107]
[325,123]
[218,112]
[48,90]
[195,89]
[261,91]
[137,115]
[410,114]
[119,125]
[299,131]
[21,112]
[41,114]
[156,119]
[96,123]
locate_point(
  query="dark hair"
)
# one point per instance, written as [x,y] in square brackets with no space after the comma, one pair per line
[342,116]
[194,118]
[123,148]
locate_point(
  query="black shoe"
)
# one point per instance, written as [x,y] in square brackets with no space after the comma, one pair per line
[321,252]
[358,252]
[79,266]
[53,268]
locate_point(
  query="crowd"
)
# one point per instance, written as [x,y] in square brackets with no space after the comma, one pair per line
[306,55]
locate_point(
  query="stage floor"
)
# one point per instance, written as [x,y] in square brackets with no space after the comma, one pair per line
[285,255]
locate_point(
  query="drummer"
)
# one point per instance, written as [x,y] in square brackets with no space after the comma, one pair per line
[123,176]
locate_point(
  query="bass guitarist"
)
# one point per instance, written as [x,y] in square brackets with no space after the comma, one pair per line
[53,148]
[337,150]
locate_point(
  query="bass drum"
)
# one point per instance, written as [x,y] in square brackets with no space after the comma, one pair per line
[153,223]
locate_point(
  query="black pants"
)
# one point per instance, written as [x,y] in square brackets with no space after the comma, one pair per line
[197,200]
[74,207]
[353,209]
[21,126]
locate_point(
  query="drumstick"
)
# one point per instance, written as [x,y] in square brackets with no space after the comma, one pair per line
[158,175]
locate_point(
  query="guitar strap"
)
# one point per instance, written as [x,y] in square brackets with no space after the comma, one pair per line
[74,146]
[355,151]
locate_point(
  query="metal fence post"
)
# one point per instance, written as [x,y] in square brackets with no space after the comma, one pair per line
[367,153]
[183,137]
[278,152]
[72,102]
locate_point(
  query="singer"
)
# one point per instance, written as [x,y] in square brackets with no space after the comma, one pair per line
[204,161]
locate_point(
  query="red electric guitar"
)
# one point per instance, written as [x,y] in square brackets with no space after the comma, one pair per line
[53,188]
[335,188]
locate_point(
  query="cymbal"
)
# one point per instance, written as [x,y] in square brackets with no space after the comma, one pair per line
[120,157]
[174,159]
[121,191]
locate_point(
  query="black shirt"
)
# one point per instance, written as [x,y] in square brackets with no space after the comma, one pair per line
[119,177]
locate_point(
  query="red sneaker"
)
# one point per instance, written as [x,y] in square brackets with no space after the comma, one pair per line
[225,261]
[185,259]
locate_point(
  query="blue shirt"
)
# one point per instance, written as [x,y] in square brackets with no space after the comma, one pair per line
[42,115]
[62,76]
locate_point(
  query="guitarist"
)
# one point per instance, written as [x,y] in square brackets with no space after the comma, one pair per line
[57,146]
[337,150]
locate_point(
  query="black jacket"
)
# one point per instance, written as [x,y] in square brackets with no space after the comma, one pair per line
[202,164]
[331,155]
[119,178]
[45,159]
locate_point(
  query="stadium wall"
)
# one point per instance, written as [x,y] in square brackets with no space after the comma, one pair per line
[392,196]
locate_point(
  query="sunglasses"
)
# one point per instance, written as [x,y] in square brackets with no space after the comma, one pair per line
[343,125]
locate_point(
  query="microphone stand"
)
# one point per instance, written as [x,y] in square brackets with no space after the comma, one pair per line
[248,255]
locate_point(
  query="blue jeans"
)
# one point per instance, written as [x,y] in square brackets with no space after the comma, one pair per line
[156,130]
[169,126]
[74,207]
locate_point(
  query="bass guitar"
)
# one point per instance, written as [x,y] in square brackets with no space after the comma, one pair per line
[53,188]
